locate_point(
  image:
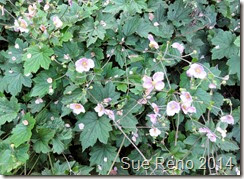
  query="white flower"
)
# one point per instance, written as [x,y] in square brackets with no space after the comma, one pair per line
[67,125]
[84,64]
[105,159]
[38,101]
[187,108]
[25,122]
[99,167]
[155,82]
[173,107]
[49,80]
[221,131]
[178,46]
[196,71]
[57,22]
[100,109]
[155,108]
[204,130]
[66,56]
[77,108]
[217,47]
[153,118]
[46,7]
[186,97]
[238,171]
[154,132]
[81,126]
[155,24]
[29,55]
[153,43]
[107,100]
[150,16]
[212,86]
[227,119]
[13,58]
[16,46]
[211,136]
[21,25]
[110,114]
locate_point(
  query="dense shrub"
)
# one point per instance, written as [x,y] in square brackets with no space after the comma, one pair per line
[89,87]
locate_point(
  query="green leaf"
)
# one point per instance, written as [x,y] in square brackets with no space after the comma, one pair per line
[95,129]
[179,13]
[100,93]
[12,158]
[41,139]
[38,57]
[234,64]
[128,122]
[68,48]
[218,102]
[14,80]
[191,139]
[122,87]
[224,45]
[41,86]
[202,102]
[228,145]
[131,25]
[22,133]
[103,155]
[15,54]
[8,109]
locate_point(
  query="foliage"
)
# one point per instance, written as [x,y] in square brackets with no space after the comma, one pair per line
[84,84]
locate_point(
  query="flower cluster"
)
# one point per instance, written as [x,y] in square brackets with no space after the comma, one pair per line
[101,110]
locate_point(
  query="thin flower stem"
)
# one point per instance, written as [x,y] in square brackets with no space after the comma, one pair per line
[121,145]
[50,161]
[70,169]
[33,165]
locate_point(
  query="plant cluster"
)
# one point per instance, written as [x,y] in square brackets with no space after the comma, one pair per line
[84,84]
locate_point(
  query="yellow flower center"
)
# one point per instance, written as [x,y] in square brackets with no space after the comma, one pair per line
[198,70]
[84,64]
[77,106]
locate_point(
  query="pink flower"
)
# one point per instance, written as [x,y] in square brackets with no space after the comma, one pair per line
[84,64]
[21,25]
[110,114]
[153,43]
[154,132]
[150,16]
[100,109]
[70,2]
[173,107]
[196,71]
[77,108]
[31,11]
[155,82]
[203,130]
[212,86]
[178,46]
[227,119]
[57,22]
[46,7]
[186,97]
[155,108]
[107,100]
[187,108]
[153,118]
[142,101]
[211,136]
[221,131]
